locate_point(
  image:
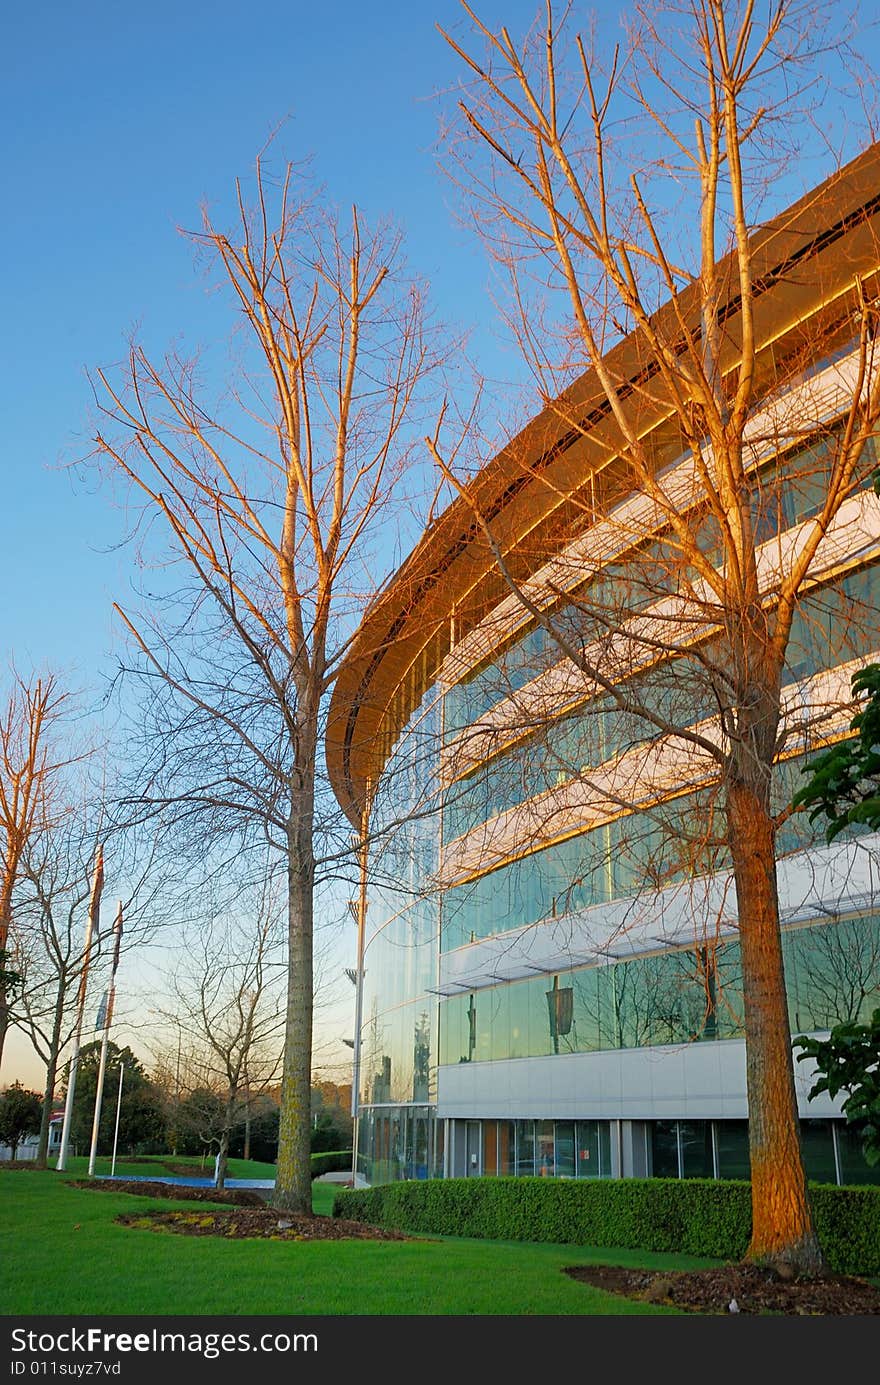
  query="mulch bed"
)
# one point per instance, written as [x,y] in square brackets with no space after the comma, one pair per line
[267,1223]
[145,1187]
[247,1217]
[752,1289]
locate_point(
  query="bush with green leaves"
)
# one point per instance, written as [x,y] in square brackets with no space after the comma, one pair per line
[693,1216]
[849,1061]
[844,784]
[20,1115]
[844,787]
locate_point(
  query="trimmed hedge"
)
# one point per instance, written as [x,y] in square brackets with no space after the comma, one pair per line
[709,1217]
[331,1161]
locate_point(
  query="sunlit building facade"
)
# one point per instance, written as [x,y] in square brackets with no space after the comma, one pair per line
[551,978]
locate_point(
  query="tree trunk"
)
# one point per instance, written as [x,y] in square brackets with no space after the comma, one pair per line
[223,1152]
[48,1098]
[782,1226]
[51,1075]
[293,1180]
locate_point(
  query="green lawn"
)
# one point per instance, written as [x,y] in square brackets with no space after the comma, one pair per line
[62,1253]
[155,1166]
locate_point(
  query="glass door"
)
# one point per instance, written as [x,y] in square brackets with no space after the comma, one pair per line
[472,1149]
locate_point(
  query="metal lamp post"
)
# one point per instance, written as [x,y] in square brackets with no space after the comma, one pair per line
[359,983]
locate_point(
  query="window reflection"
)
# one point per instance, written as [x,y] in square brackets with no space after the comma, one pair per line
[679,996]
[525,1148]
[830,626]
[617,860]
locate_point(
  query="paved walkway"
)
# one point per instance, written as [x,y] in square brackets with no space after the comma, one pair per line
[342,1176]
[259,1183]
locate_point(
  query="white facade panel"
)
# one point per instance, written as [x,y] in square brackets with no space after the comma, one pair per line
[701,1081]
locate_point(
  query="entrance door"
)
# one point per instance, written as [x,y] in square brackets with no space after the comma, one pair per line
[472,1149]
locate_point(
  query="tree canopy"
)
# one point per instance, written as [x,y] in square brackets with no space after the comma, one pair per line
[141,1122]
[20,1112]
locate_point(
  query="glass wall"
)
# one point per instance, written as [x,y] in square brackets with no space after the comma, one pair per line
[398,1069]
[732,1149]
[546,1149]
[400,1142]
[785,492]
[831,1150]
[680,995]
[572,744]
[677,1149]
[678,840]
[851,1162]
[408,1143]
[831,625]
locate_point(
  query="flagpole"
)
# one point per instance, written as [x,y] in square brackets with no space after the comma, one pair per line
[118,1112]
[108,1015]
[91,929]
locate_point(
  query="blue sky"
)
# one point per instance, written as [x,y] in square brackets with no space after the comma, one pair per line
[118,122]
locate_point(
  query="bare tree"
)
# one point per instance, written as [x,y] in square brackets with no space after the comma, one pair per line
[632,194]
[271,503]
[226,999]
[28,723]
[50,948]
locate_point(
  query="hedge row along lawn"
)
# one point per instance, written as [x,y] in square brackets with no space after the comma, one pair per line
[697,1216]
[63,1253]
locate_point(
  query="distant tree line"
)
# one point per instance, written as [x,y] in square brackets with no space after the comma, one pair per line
[154,1119]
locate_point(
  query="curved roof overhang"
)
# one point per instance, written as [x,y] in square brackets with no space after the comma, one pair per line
[805,262]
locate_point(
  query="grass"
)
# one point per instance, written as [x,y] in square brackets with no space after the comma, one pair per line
[156,1166]
[62,1253]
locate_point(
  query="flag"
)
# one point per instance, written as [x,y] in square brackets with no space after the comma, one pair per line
[117,929]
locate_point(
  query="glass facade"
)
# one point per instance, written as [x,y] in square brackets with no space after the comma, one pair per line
[568,746]
[784,492]
[831,1150]
[680,839]
[679,995]
[398,1136]
[571,745]
[402,1142]
[670,997]
[411,1143]
[545,1149]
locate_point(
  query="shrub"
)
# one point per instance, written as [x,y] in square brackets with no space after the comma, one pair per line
[707,1217]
